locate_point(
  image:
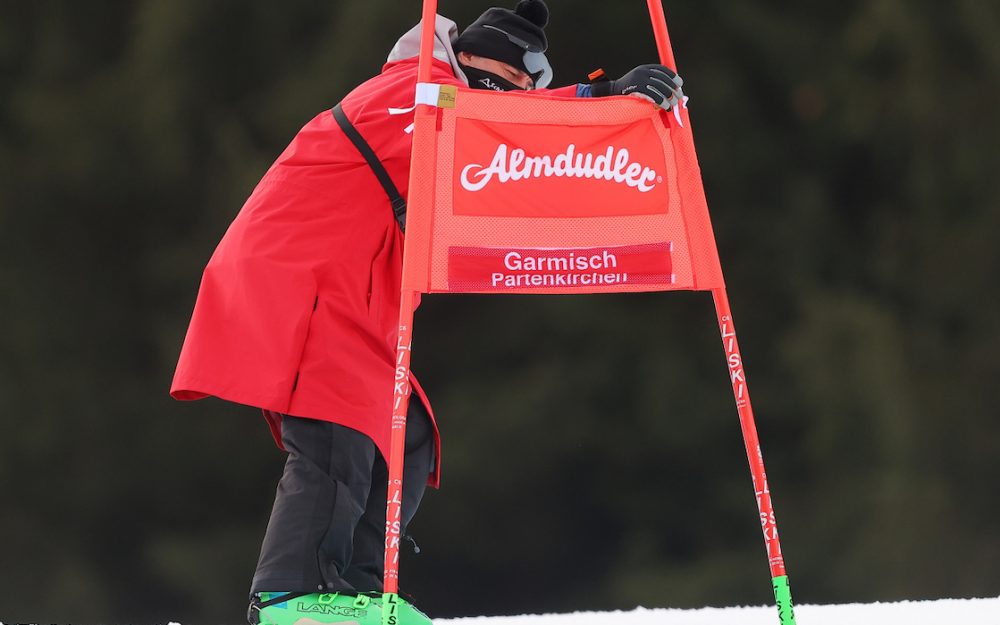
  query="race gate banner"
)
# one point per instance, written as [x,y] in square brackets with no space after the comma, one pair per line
[529,193]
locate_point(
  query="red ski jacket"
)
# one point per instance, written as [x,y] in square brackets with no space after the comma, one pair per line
[298,306]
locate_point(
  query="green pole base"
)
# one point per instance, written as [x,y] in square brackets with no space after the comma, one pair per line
[390,609]
[783,599]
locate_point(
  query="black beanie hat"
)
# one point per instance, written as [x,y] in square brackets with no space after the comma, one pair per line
[525,22]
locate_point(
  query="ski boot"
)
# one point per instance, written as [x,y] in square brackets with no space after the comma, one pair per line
[282,608]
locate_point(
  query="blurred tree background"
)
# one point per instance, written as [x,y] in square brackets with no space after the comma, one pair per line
[592,458]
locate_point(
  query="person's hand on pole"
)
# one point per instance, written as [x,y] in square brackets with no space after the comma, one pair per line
[657,83]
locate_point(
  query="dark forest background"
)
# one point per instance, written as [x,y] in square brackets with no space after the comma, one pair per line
[593,457]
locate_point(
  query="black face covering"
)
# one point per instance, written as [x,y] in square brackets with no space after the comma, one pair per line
[481,79]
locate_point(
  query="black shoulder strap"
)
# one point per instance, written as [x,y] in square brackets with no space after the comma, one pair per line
[397,201]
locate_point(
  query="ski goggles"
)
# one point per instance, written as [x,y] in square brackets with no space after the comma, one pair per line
[534,58]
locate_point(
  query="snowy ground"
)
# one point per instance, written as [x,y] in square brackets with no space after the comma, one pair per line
[943,612]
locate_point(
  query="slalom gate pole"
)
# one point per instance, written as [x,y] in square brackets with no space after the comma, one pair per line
[741,392]
[659,21]
[404,342]
[397,449]
[428,19]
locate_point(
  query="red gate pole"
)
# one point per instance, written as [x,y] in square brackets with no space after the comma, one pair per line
[741,392]
[423,132]
[397,445]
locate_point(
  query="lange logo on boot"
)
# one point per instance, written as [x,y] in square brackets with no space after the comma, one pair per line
[336,610]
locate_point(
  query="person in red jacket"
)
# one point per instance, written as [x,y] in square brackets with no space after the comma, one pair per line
[298,307]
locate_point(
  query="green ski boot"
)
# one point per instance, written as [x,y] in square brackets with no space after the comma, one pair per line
[282,608]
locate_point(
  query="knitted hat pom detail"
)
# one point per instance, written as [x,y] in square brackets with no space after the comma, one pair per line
[535,11]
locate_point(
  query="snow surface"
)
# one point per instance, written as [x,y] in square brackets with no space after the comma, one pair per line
[943,612]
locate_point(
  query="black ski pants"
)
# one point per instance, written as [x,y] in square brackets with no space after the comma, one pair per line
[327,526]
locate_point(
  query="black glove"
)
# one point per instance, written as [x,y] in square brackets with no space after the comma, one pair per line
[657,83]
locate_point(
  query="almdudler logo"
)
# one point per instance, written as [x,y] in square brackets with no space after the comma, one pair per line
[508,165]
[519,170]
